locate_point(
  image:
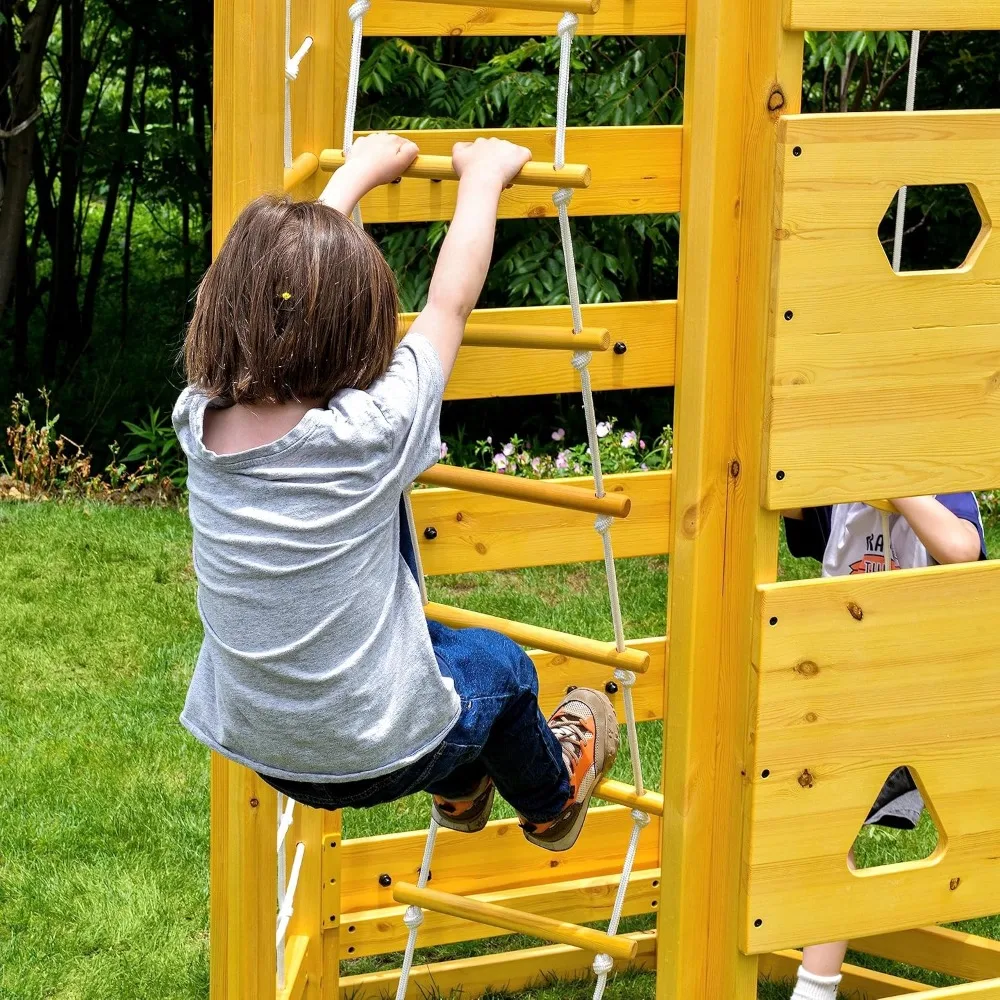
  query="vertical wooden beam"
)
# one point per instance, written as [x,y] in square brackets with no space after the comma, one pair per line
[333,833]
[249,107]
[743,71]
[307,915]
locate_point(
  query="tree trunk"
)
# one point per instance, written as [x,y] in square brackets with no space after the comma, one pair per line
[137,171]
[25,88]
[115,177]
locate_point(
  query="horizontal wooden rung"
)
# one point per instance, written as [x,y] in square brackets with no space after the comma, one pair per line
[626,795]
[556,931]
[441,168]
[555,6]
[552,494]
[539,338]
[549,639]
[303,167]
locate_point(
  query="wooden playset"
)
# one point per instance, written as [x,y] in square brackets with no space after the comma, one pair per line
[806,371]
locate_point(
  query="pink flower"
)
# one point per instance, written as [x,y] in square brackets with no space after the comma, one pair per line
[629,439]
[559,433]
[444,449]
[577,467]
[562,460]
[642,445]
[500,461]
[508,449]
[603,429]
[536,464]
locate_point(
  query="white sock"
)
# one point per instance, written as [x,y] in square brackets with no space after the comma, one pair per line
[813,987]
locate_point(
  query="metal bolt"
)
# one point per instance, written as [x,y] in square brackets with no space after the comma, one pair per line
[254,802]
[779,475]
[620,347]
[789,314]
[385,880]
[611,687]
[796,151]
[430,533]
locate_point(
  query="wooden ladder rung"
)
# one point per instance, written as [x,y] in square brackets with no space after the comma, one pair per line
[796,513]
[539,338]
[625,795]
[541,491]
[440,168]
[556,931]
[303,167]
[556,6]
[548,639]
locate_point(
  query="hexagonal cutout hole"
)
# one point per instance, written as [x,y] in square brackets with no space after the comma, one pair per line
[942,227]
[899,830]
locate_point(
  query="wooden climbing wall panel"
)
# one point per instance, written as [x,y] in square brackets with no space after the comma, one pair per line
[859,675]
[882,384]
[893,15]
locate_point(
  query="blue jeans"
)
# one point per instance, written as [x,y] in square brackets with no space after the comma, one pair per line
[500,732]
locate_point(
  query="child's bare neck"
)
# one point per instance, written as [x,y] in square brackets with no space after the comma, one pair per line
[245,426]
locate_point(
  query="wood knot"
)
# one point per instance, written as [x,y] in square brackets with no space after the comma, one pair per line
[811,717]
[807,668]
[734,468]
[481,548]
[254,802]
[806,780]
[459,516]
[855,609]
[954,884]
[536,212]
[776,99]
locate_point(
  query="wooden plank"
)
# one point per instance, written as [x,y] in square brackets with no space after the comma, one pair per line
[739,65]
[647,329]
[295,973]
[968,991]
[304,925]
[636,170]
[556,673]
[328,929]
[477,532]
[552,913]
[913,642]
[472,977]
[852,339]
[514,862]
[616,17]
[940,949]
[893,15]
[858,983]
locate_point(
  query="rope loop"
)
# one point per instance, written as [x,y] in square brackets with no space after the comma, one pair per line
[358,9]
[581,359]
[625,678]
[603,523]
[568,24]
[640,818]
[292,63]
[603,964]
[413,917]
[562,197]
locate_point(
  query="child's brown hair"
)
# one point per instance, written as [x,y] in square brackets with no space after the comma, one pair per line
[298,303]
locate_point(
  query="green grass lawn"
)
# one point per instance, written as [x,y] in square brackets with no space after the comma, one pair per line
[104,798]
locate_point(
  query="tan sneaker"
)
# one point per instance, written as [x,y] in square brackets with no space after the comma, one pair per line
[467,815]
[587,729]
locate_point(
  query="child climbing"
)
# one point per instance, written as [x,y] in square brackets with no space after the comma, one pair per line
[857,538]
[304,423]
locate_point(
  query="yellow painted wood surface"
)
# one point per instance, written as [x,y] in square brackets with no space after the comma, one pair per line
[515,863]
[940,949]
[304,925]
[740,64]
[541,338]
[882,384]
[519,921]
[531,910]
[477,532]
[893,15]
[472,977]
[859,675]
[534,6]
[243,897]
[303,167]
[331,885]
[556,673]
[525,634]
[858,983]
[635,170]
[550,493]
[989,990]
[626,795]
[296,976]
[647,329]
[616,17]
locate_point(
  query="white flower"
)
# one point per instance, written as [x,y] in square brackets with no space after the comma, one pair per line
[536,464]
[444,449]
[603,429]
[562,460]
[629,438]
[559,433]
[508,449]
[489,440]
[524,458]
[644,467]
[500,461]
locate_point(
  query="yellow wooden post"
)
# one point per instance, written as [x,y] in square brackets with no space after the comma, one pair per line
[743,71]
[332,896]
[249,75]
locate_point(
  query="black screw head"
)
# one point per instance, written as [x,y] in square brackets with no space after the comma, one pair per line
[430,533]
[765,773]
[611,687]
[779,475]
[758,922]
[774,620]
[789,314]
[796,151]
[620,347]
[385,880]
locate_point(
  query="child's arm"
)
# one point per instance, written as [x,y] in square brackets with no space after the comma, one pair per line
[374,159]
[485,168]
[947,537]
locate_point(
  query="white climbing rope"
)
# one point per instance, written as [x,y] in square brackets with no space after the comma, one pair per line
[566,30]
[356,12]
[911,98]
[292,64]
[414,916]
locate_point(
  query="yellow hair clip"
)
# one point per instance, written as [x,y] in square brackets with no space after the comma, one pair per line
[286,295]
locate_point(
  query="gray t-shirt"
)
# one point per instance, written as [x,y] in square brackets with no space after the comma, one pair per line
[316,663]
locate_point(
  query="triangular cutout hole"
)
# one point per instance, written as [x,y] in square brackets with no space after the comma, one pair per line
[901,829]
